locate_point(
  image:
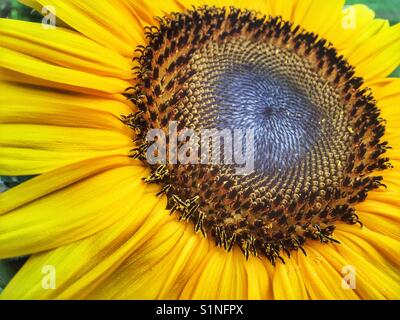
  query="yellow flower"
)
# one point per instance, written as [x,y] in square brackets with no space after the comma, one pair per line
[92,213]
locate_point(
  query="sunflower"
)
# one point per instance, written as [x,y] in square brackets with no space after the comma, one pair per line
[317,218]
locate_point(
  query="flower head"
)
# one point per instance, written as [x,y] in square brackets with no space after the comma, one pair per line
[314,215]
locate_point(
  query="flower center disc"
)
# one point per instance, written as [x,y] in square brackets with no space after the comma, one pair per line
[315,134]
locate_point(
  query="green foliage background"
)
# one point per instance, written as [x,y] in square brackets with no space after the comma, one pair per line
[386,9]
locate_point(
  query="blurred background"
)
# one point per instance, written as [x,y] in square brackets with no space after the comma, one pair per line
[12,9]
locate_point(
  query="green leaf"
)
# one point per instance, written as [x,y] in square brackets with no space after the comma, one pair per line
[8,268]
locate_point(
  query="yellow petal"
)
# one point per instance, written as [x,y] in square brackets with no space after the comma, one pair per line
[32,149]
[233,283]
[17,93]
[389,210]
[379,55]
[257,5]
[148,11]
[384,244]
[20,79]
[384,88]
[60,115]
[372,280]
[355,20]
[377,43]
[33,67]
[185,263]
[389,196]
[284,9]
[364,288]
[318,17]
[27,161]
[159,269]
[363,34]
[61,138]
[71,213]
[118,30]
[208,284]
[258,280]
[143,275]
[369,252]
[322,281]
[64,48]
[73,261]
[106,267]
[288,283]
[58,179]
[380,224]
[387,94]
